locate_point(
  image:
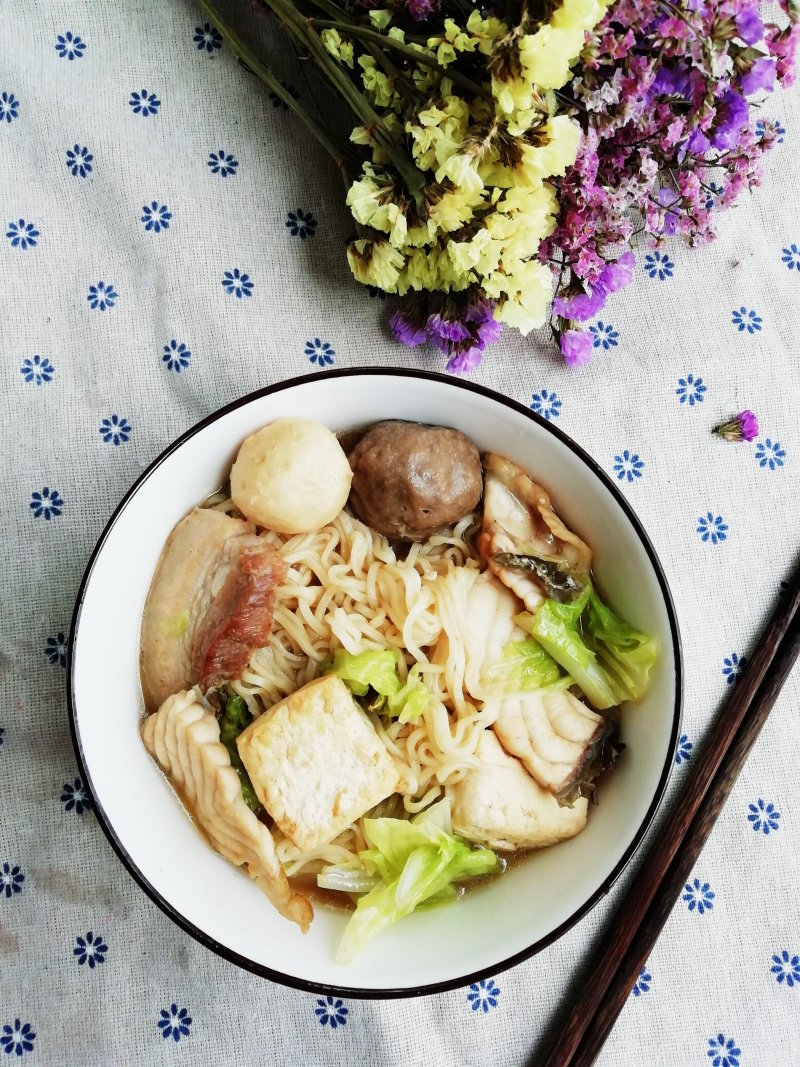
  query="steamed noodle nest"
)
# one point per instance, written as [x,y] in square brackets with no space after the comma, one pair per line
[347,588]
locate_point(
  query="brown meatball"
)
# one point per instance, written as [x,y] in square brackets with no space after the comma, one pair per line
[410,480]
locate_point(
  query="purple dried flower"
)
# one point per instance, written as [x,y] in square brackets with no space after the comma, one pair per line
[732,117]
[446,329]
[580,306]
[459,324]
[749,25]
[576,347]
[465,361]
[420,10]
[405,329]
[760,76]
[742,427]
[669,200]
[617,274]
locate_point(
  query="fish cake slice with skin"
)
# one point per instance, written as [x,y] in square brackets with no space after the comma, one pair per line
[552,732]
[500,805]
[184,740]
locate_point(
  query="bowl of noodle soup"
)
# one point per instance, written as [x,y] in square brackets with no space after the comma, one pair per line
[349,588]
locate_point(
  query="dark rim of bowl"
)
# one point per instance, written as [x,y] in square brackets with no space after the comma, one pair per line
[462,980]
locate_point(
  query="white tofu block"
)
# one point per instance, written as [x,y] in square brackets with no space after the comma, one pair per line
[316,762]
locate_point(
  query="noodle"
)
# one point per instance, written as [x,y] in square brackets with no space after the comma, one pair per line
[347,588]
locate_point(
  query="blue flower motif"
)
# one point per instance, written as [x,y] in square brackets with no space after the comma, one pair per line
[47,503]
[75,797]
[699,896]
[746,320]
[277,101]
[786,969]
[144,103]
[222,163]
[9,107]
[101,296]
[776,127]
[483,995]
[790,255]
[176,356]
[331,1012]
[658,265]
[712,528]
[546,404]
[237,284]
[155,216]
[37,370]
[770,454]
[683,752]
[22,235]
[115,430]
[763,817]
[320,352]
[11,879]
[301,224]
[712,192]
[605,336]
[642,983]
[207,38]
[690,390]
[375,293]
[723,1053]
[56,650]
[79,161]
[90,949]
[174,1023]
[69,46]
[18,1038]
[732,667]
[628,466]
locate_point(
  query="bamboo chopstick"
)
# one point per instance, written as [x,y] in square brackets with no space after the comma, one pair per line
[614,967]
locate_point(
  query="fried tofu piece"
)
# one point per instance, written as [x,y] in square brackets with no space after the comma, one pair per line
[316,762]
[500,805]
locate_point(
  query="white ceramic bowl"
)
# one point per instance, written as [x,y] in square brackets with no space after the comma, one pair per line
[492,927]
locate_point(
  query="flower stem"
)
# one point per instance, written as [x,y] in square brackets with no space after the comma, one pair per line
[341,154]
[417,55]
[302,29]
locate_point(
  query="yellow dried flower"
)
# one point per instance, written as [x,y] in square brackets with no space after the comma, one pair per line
[375,263]
[338,47]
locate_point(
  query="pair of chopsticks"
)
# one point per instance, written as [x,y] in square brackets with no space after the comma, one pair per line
[613,969]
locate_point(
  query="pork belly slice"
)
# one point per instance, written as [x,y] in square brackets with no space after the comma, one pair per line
[209,606]
[551,732]
[239,618]
[184,739]
[498,804]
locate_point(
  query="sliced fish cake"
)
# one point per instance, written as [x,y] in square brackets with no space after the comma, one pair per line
[184,739]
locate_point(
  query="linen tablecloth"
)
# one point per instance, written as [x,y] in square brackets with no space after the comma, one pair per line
[172,239]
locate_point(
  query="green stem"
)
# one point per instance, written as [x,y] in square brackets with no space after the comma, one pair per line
[302,29]
[341,155]
[425,59]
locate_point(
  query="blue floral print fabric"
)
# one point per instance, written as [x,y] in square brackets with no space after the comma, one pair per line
[170,239]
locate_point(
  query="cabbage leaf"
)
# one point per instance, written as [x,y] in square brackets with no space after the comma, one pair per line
[377,671]
[525,667]
[607,658]
[417,863]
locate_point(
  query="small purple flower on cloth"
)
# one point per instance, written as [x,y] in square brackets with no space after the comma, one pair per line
[742,427]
